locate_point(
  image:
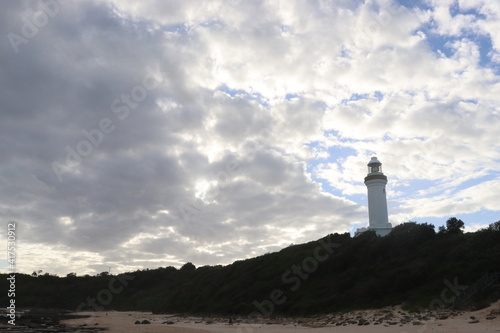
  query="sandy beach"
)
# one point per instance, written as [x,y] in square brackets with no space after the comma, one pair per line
[389,320]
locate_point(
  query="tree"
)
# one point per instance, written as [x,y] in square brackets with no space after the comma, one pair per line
[454,225]
[188,267]
[413,230]
[37,273]
[494,226]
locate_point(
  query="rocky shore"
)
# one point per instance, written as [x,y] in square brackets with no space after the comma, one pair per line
[385,317]
[46,321]
[387,320]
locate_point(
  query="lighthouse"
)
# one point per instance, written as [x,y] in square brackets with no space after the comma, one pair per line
[375,182]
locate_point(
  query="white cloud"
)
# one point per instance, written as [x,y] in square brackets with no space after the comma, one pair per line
[466,201]
[452,25]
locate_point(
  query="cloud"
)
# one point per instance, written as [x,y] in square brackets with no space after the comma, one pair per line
[469,200]
[151,134]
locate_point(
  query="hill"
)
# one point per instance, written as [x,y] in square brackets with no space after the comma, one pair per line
[414,266]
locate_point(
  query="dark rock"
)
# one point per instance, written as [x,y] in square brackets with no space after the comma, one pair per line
[417,323]
[145,322]
[490,317]
[137,322]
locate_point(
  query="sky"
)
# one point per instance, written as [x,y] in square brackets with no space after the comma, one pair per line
[142,134]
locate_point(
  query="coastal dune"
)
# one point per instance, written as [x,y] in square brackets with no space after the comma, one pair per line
[391,320]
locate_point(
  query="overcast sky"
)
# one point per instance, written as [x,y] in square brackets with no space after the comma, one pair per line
[138,134]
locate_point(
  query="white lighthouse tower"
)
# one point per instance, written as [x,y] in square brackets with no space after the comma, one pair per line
[375,181]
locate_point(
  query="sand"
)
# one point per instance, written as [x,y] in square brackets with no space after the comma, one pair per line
[485,320]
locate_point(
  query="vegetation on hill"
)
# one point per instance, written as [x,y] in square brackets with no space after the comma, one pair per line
[413,265]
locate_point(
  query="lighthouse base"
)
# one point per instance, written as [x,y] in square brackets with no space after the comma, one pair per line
[380,231]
